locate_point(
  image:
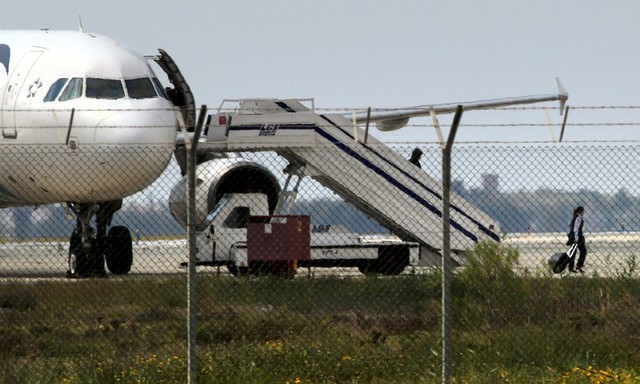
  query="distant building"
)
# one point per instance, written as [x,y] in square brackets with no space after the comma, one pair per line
[491,182]
[457,186]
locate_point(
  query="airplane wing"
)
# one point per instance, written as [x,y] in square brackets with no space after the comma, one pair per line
[392,119]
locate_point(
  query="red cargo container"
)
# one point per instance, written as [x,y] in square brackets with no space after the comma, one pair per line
[280,237]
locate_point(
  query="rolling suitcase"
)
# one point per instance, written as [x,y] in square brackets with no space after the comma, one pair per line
[559,261]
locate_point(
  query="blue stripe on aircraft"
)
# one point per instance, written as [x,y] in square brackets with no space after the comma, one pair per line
[5,56]
[370,165]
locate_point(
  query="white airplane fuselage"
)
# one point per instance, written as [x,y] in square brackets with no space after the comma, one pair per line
[83,119]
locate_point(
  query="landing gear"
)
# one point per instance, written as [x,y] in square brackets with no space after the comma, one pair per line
[84,261]
[119,250]
[89,247]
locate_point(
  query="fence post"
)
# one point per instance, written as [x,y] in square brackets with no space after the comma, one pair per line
[446,249]
[192,148]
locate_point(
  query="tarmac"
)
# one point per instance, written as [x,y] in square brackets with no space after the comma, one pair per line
[609,254]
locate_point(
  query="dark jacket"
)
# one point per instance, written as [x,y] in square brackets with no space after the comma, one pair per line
[575,229]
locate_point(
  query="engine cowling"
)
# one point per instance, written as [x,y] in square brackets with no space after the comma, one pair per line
[215,178]
[392,124]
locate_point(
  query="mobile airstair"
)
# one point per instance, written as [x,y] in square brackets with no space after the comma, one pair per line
[333,150]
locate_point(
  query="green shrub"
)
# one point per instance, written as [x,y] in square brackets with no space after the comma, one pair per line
[490,261]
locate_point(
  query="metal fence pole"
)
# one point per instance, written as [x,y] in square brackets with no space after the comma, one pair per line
[446,250]
[192,148]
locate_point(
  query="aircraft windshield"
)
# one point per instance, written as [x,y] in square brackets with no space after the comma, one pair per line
[55,89]
[104,88]
[141,88]
[73,89]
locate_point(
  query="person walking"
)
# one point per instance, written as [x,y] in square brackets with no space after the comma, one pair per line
[575,236]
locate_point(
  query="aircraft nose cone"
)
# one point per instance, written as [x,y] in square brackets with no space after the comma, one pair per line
[137,128]
[132,148]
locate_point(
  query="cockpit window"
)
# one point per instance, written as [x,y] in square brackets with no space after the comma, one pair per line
[73,89]
[55,89]
[104,88]
[141,88]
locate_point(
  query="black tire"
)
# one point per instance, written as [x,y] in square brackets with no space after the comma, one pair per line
[368,267]
[392,259]
[84,262]
[237,271]
[257,267]
[118,251]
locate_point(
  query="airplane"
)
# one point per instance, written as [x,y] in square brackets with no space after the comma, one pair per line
[86,122]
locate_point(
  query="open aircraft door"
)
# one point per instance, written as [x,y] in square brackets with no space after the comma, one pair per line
[182,97]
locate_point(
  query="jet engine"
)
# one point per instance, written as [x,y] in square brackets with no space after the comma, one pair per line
[392,124]
[215,178]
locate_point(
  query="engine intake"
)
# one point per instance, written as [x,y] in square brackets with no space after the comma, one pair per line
[215,178]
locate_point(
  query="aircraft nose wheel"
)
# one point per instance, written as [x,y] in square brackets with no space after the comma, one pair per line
[85,261]
[118,250]
[90,247]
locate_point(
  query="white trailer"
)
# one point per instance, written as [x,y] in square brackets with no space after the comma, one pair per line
[222,241]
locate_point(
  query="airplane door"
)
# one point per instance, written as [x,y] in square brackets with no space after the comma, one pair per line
[14,89]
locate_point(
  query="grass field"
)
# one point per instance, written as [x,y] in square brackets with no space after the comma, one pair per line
[506,328]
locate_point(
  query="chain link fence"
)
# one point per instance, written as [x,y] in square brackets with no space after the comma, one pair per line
[359,303]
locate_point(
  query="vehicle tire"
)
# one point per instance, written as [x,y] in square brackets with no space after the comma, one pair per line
[368,267]
[119,250]
[237,271]
[392,259]
[257,267]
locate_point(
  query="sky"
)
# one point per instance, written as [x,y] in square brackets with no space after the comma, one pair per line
[387,54]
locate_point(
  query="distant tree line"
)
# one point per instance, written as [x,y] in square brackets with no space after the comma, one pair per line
[550,210]
[542,210]
[51,222]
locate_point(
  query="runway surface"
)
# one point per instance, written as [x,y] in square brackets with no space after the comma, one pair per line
[610,254]
[50,259]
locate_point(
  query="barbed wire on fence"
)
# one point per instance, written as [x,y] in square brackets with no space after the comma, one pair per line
[346,109]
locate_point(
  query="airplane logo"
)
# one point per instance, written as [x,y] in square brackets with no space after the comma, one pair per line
[34,87]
